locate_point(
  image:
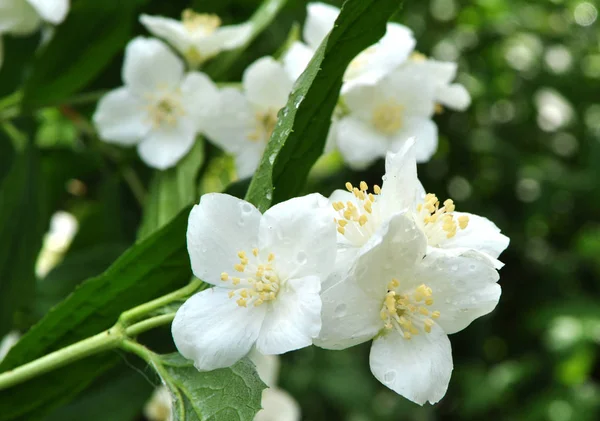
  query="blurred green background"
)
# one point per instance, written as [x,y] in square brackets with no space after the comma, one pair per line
[526,154]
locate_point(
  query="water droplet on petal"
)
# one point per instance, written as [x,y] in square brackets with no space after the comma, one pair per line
[454,268]
[389,376]
[340,310]
[246,207]
[472,266]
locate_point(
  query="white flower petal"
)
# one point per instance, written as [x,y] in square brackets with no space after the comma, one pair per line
[454,96]
[170,30]
[247,161]
[401,185]
[199,94]
[394,251]
[213,331]
[442,72]
[362,100]
[418,369]
[350,316]
[267,366]
[163,147]
[267,84]
[481,234]
[358,143]
[425,133]
[18,18]
[296,58]
[414,90]
[224,38]
[219,227]
[7,342]
[150,67]
[278,405]
[121,117]
[377,61]
[293,319]
[320,18]
[230,121]
[53,11]
[464,287]
[301,234]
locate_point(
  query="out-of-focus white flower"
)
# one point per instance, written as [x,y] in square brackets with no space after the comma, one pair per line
[271,299]
[160,109]
[381,117]
[368,67]
[159,407]
[360,214]
[407,299]
[63,227]
[22,17]
[242,122]
[8,342]
[277,404]
[452,95]
[198,37]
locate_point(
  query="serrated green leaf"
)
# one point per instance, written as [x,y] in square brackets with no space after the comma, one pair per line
[302,126]
[172,190]
[226,394]
[149,269]
[263,16]
[93,33]
[23,218]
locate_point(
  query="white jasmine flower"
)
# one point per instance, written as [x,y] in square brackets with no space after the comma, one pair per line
[381,117]
[198,37]
[452,95]
[160,109]
[267,271]
[368,67]
[8,342]
[23,17]
[63,227]
[407,299]
[159,407]
[242,122]
[360,214]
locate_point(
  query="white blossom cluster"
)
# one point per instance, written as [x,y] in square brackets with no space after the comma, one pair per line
[390,94]
[390,264]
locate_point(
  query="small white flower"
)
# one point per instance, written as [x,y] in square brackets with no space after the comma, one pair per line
[407,299]
[242,122]
[381,117]
[198,37]
[159,407]
[360,214]
[63,227]
[368,67]
[160,109]
[267,271]
[22,17]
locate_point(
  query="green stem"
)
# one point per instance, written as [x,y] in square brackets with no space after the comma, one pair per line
[135,184]
[149,324]
[103,341]
[136,313]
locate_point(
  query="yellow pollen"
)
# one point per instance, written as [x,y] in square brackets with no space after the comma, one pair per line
[362,220]
[463,221]
[264,126]
[417,56]
[435,314]
[377,189]
[349,186]
[342,223]
[388,117]
[224,276]
[242,254]
[341,230]
[368,207]
[235,281]
[255,252]
[231,294]
[193,21]
[165,111]
[271,257]
[439,222]
[241,302]
[363,186]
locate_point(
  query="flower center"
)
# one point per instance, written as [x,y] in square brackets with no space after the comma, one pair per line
[358,221]
[264,125]
[438,223]
[387,117]
[259,281]
[200,22]
[407,313]
[166,110]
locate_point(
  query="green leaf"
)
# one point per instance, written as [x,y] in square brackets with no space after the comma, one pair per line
[171,191]
[23,220]
[226,394]
[151,268]
[299,136]
[263,16]
[93,33]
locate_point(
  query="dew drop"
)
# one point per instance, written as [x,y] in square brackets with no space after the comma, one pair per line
[272,158]
[472,266]
[269,195]
[389,376]
[454,268]
[301,258]
[246,207]
[340,310]
[241,222]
